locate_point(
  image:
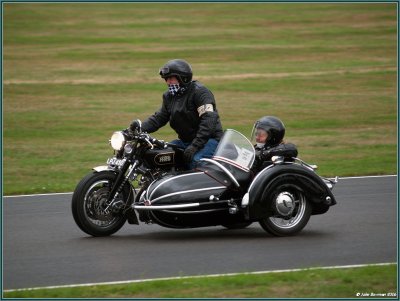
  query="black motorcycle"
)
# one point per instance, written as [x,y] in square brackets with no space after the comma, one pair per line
[146,180]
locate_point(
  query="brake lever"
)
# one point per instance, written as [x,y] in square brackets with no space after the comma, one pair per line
[129,134]
[146,138]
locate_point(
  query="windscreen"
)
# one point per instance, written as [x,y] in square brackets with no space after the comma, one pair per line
[236,149]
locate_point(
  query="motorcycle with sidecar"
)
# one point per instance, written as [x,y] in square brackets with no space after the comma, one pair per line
[146,181]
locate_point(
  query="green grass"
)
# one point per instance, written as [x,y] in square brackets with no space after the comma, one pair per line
[312,283]
[75,72]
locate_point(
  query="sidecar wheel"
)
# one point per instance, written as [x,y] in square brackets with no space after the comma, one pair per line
[88,204]
[291,212]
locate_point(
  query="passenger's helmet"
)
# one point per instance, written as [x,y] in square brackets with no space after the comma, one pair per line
[273,126]
[179,68]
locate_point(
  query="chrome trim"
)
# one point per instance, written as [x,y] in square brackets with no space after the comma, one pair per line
[330,182]
[231,162]
[170,179]
[163,207]
[197,211]
[228,173]
[185,191]
[142,197]
[309,166]
[245,200]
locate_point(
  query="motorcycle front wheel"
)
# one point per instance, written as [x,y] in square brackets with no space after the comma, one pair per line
[291,212]
[90,208]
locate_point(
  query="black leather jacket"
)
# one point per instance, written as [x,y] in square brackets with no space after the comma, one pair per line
[192,114]
[264,155]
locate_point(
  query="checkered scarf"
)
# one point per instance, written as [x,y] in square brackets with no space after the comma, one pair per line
[173,88]
[176,89]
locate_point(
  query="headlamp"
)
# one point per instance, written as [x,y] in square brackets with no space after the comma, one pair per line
[117,140]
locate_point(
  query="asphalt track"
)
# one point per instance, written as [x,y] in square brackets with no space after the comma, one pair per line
[43,247]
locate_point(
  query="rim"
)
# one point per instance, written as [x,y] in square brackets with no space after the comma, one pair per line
[289,209]
[95,202]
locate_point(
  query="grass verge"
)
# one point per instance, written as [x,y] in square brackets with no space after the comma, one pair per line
[311,283]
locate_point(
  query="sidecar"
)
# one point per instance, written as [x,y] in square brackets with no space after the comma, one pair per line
[223,190]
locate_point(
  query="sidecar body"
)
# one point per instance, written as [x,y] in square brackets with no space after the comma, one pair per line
[224,191]
[204,197]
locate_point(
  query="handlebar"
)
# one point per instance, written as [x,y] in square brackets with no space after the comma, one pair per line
[151,141]
[143,136]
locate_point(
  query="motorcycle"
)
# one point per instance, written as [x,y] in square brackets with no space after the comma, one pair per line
[146,181]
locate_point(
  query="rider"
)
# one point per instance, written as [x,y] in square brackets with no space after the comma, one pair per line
[190,109]
[268,133]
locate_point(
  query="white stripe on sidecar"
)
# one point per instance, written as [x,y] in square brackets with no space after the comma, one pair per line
[170,179]
[186,191]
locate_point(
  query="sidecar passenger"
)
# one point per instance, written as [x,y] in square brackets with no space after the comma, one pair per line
[268,133]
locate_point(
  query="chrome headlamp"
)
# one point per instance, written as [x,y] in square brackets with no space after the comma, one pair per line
[117,140]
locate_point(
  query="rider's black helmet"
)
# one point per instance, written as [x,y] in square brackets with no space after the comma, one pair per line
[179,68]
[273,126]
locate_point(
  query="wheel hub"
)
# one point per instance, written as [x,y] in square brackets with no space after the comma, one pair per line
[97,203]
[285,204]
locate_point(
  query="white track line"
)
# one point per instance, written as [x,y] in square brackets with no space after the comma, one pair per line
[33,195]
[201,276]
[66,193]
[366,177]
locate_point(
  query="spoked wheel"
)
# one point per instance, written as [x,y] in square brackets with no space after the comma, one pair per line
[291,212]
[90,208]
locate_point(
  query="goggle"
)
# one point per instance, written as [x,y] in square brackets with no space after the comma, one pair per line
[164,71]
[261,132]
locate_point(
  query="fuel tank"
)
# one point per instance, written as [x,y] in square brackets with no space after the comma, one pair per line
[164,158]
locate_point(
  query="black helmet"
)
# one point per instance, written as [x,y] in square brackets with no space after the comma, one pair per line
[179,68]
[273,126]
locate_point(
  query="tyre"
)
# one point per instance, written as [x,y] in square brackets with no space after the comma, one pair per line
[89,204]
[290,209]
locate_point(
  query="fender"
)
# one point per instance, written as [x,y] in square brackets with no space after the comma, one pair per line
[103,168]
[290,174]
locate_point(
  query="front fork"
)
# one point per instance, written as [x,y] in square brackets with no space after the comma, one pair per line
[123,176]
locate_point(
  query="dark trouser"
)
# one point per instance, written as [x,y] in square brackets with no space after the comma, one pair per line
[206,152]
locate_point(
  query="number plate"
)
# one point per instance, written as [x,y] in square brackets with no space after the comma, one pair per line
[116,162]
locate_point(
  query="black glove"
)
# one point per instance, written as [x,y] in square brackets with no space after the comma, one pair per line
[265,155]
[128,133]
[136,125]
[189,153]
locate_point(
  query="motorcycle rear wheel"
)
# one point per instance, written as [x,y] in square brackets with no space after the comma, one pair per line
[89,203]
[291,212]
